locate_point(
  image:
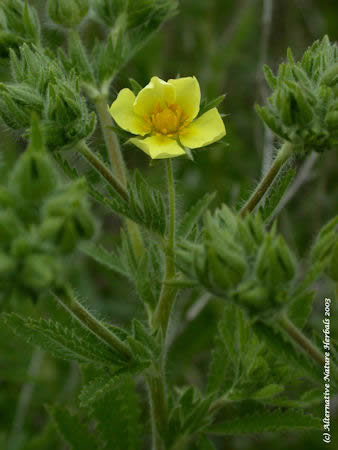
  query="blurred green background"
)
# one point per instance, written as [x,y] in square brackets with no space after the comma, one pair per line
[224,43]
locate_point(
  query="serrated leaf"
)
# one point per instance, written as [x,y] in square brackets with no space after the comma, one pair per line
[268,421]
[193,215]
[276,194]
[285,350]
[60,341]
[110,260]
[117,413]
[71,428]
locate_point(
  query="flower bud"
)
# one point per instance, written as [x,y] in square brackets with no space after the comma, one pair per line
[275,263]
[40,271]
[10,227]
[253,295]
[33,177]
[68,217]
[68,13]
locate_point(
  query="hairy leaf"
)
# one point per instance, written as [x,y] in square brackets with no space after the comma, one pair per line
[60,341]
[193,215]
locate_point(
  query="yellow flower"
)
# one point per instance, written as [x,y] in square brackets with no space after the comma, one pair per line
[162,115]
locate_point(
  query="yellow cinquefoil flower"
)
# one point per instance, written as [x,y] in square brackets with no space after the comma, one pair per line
[162,115]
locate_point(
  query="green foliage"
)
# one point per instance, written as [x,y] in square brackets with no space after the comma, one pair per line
[267,421]
[19,23]
[146,205]
[73,431]
[278,191]
[303,106]
[60,341]
[116,412]
[43,86]
[192,217]
[67,13]
[239,261]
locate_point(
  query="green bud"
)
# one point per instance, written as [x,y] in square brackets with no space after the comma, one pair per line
[70,207]
[22,246]
[275,262]
[253,295]
[68,13]
[7,266]
[34,177]
[40,271]
[221,276]
[10,227]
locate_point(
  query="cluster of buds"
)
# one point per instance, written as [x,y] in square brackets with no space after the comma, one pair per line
[41,85]
[40,221]
[238,260]
[303,108]
[325,248]
[19,23]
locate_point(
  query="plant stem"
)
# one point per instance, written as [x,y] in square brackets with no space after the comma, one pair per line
[159,408]
[168,293]
[283,155]
[110,138]
[102,169]
[16,435]
[117,164]
[297,336]
[66,297]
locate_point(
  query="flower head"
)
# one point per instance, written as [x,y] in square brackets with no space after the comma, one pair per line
[163,116]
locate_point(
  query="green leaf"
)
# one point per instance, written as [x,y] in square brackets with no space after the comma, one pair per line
[267,421]
[61,341]
[193,215]
[300,308]
[117,413]
[285,350]
[205,444]
[276,194]
[206,106]
[79,57]
[135,86]
[267,392]
[71,428]
[110,260]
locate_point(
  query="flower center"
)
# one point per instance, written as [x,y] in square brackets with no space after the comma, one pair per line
[168,120]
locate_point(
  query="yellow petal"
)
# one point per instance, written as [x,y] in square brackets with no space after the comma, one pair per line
[122,111]
[157,91]
[205,130]
[158,147]
[188,95]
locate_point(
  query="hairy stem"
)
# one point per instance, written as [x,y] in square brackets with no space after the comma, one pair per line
[168,293]
[159,408]
[297,336]
[117,164]
[66,297]
[102,169]
[283,155]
